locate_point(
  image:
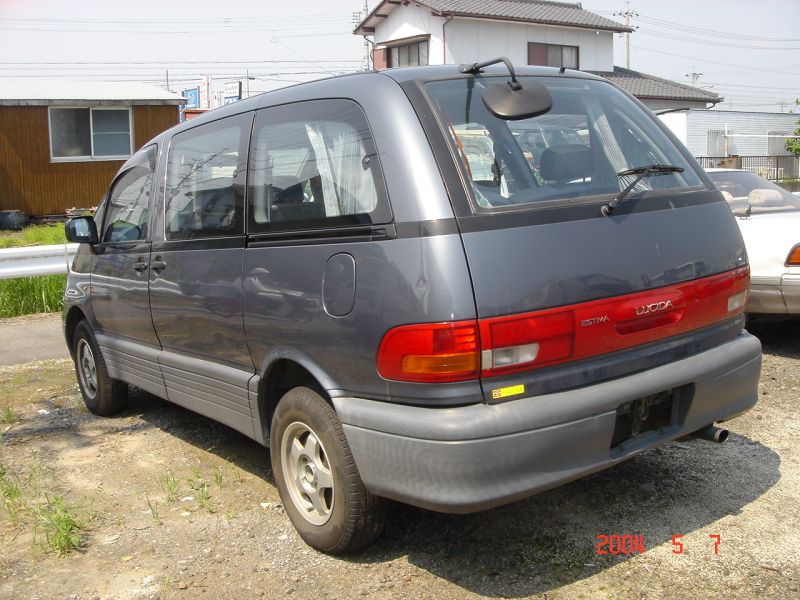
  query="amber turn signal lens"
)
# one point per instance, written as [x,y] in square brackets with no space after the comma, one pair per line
[793,260]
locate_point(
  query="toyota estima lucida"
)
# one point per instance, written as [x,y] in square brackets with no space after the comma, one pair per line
[451,287]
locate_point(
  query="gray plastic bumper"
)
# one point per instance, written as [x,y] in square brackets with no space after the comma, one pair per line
[474,457]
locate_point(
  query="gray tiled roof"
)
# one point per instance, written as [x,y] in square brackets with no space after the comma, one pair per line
[527,11]
[642,85]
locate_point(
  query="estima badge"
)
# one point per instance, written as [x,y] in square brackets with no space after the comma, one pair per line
[595,321]
[646,309]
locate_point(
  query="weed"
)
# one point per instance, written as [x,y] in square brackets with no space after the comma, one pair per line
[165,587]
[34,235]
[203,498]
[27,295]
[11,495]
[153,506]
[36,474]
[196,474]
[169,485]
[218,476]
[59,524]
[7,415]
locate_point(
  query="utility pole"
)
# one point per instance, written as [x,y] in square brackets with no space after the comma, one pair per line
[694,75]
[366,43]
[169,90]
[628,13]
[359,16]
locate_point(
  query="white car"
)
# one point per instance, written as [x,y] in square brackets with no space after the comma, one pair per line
[769,219]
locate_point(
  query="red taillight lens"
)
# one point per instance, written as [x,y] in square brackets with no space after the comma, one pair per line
[515,343]
[793,260]
[441,352]
[430,352]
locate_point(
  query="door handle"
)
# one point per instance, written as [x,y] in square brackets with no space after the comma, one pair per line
[140,266]
[158,265]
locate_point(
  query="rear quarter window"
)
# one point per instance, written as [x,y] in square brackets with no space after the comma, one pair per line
[314,164]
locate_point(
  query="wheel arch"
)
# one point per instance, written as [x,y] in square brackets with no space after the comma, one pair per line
[74,316]
[285,370]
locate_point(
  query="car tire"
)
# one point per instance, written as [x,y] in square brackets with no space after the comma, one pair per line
[317,478]
[102,395]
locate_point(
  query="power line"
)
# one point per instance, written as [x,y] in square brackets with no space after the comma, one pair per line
[171,62]
[683,28]
[694,40]
[781,70]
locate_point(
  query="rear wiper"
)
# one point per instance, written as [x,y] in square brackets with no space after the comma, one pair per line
[640,172]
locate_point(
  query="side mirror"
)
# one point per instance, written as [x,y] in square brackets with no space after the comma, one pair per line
[81,230]
[511,102]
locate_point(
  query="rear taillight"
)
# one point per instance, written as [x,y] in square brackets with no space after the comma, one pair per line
[519,342]
[462,350]
[430,352]
[793,260]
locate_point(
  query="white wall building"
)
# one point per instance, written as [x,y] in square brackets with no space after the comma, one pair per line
[732,133]
[534,32]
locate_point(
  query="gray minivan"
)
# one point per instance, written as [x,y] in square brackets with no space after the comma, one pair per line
[380,278]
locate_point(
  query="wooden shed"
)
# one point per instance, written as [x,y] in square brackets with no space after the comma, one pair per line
[61,142]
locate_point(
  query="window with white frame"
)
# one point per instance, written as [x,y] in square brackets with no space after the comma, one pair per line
[90,133]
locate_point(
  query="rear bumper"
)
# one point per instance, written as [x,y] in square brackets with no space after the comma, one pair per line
[775,295]
[474,457]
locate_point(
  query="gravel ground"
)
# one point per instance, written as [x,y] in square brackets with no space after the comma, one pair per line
[235,541]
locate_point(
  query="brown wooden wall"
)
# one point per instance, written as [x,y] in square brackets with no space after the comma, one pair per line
[31,183]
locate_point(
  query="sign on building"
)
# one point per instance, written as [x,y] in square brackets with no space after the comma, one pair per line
[232,92]
[192,96]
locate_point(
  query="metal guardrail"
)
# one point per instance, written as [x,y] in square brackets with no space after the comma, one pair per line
[32,261]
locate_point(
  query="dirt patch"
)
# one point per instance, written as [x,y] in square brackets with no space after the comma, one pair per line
[174,505]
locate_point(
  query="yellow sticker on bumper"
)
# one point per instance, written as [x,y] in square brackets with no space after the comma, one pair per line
[508,391]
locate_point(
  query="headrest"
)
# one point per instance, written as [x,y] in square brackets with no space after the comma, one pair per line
[567,162]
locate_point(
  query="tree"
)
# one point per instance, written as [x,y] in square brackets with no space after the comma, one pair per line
[793,144]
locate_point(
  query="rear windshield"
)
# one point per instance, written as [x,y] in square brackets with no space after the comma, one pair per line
[575,150]
[748,190]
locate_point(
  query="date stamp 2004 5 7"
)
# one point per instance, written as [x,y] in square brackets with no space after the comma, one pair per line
[634,543]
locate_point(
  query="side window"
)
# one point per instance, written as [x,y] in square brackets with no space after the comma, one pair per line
[128,206]
[205,180]
[314,164]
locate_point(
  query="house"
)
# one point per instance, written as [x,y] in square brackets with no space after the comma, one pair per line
[534,32]
[62,141]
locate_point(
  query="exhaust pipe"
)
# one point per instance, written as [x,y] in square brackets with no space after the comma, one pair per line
[712,433]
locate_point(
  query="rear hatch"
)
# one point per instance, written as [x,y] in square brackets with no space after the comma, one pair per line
[566,296]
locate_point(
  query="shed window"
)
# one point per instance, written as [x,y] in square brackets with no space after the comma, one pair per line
[90,133]
[409,55]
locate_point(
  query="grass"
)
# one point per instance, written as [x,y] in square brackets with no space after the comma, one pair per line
[35,235]
[7,414]
[200,491]
[30,295]
[169,485]
[153,506]
[11,495]
[59,524]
